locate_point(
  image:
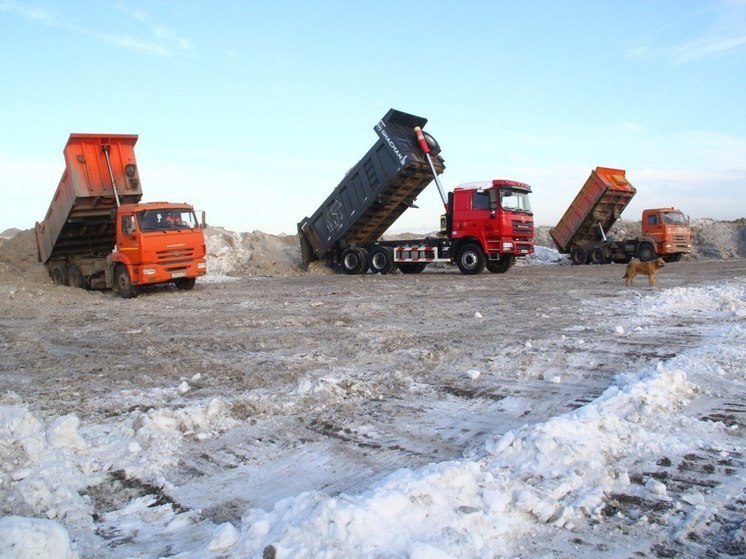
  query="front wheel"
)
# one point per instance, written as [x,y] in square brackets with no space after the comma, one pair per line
[123,283]
[471,259]
[646,252]
[185,283]
[501,266]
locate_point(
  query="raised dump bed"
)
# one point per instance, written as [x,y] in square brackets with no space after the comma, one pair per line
[374,193]
[594,210]
[79,220]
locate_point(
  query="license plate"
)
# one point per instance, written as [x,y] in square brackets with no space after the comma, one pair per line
[178,275]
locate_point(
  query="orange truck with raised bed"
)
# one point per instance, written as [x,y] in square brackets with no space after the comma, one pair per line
[97,234]
[582,230]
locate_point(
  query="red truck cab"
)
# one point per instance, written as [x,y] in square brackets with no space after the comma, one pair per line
[497,214]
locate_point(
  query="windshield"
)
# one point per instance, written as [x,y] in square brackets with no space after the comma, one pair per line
[674,218]
[515,201]
[165,219]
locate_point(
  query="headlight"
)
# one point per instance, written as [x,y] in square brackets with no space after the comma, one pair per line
[507,246]
[201,265]
[148,271]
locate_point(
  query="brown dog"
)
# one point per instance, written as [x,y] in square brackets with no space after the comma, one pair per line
[645,268]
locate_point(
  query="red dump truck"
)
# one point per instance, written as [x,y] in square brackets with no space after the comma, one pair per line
[97,234]
[582,232]
[486,224]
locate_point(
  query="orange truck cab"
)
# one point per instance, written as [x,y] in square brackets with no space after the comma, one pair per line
[96,233]
[668,232]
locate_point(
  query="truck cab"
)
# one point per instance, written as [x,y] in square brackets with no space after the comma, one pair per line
[158,242]
[496,215]
[669,232]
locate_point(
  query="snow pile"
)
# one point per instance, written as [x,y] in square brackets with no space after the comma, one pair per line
[256,253]
[559,473]
[544,255]
[555,472]
[28,538]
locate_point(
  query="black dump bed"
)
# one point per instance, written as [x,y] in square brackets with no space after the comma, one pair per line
[375,192]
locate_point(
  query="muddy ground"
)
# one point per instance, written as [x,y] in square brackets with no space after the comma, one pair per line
[334,381]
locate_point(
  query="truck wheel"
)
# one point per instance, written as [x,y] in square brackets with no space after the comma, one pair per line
[675,257]
[412,267]
[123,283]
[597,256]
[646,252]
[471,259]
[185,283]
[501,266]
[59,275]
[579,256]
[75,276]
[354,261]
[382,260]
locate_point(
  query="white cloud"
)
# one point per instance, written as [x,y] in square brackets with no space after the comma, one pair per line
[707,46]
[154,40]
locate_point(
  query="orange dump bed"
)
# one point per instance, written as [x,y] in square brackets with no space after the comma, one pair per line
[79,220]
[598,205]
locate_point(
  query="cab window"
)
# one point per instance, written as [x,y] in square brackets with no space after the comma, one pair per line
[128,224]
[480,200]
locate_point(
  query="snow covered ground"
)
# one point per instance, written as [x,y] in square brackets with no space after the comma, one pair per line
[655,463]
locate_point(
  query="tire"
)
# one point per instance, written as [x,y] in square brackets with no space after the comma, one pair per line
[382,260]
[185,284]
[471,259]
[59,275]
[353,261]
[123,283]
[675,257]
[646,252]
[597,256]
[579,256]
[432,143]
[501,266]
[412,267]
[75,276]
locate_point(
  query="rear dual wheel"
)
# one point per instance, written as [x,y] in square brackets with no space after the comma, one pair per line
[579,256]
[354,260]
[59,275]
[382,260]
[597,256]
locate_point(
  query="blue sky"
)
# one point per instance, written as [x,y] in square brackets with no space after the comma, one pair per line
[253,111]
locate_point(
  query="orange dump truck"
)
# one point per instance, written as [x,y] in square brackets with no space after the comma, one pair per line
[97,234]
[582,230]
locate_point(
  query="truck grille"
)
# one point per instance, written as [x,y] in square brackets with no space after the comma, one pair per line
[522,227]
[175,254]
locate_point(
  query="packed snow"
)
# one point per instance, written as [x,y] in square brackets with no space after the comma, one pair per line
[538,483]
